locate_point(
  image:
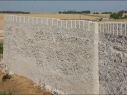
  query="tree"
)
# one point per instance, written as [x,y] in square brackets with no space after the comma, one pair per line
[116,15]
[125,16]
[60,12]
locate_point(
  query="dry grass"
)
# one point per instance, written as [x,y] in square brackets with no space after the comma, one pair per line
[100,15]
[61,16]
[1,41]
[1,34]
[20,85]
[1,21]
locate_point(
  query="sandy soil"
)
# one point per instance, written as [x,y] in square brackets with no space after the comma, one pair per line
[1,34]
[20,85]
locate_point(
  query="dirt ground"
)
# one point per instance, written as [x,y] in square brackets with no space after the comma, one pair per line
[1,34]
[20,85]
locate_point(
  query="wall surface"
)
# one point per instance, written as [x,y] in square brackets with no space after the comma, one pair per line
[59,55]
[68,56]
[112,58]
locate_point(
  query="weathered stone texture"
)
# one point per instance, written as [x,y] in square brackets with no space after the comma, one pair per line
[68,56]
[53,53]
[113,59]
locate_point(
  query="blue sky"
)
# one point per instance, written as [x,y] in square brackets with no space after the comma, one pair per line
[55,6]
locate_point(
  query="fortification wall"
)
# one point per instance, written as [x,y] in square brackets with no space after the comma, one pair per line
[59,55]
[112,58]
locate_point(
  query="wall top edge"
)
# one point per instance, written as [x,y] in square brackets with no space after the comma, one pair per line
[9,16]
[112,22]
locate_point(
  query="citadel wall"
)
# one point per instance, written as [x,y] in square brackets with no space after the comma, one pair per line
[68,56]
[112,53]
[59,55]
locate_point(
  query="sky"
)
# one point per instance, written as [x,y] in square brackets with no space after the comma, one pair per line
[55,6]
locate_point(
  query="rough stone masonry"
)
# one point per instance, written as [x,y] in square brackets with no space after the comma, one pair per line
[67,56]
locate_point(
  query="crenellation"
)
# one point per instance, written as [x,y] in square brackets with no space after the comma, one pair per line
[59,24]
[44,21]
[106,27]
[15,19]
[26,20]
[109,28]
[92,26]
[115,29]
[64,24]
[30,20]
[102,28]
[50,21]
[18,19]
[123,29]
[99,27]
[55,22]
[112,29]
[73,24]
[10,18]
[36,20]
[126,29]
[119,28]
[77,24]
[33,20]
[81,24]
[86,26]
[69,24]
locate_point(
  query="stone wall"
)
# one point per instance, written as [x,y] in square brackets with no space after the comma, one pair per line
[59,55]
[112,58]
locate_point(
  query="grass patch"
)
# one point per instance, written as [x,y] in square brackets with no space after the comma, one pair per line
[1,48]
[6,77]
[4,93]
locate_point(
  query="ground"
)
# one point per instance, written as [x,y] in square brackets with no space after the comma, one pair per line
[20,85]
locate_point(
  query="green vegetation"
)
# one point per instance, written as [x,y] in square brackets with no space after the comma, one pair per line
[125,16]
[116,15]
[100,19]
[106,12]
[4,93]
[5,77]
[14,12]
[1,48]
[74,12]
[95,13]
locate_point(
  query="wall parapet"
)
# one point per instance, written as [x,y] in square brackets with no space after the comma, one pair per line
[114,28]
[75,24]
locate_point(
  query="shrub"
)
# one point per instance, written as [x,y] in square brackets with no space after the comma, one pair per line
[4,93]
[116,15]
[1,48]
[100,19]
[5,77]
[125,16]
